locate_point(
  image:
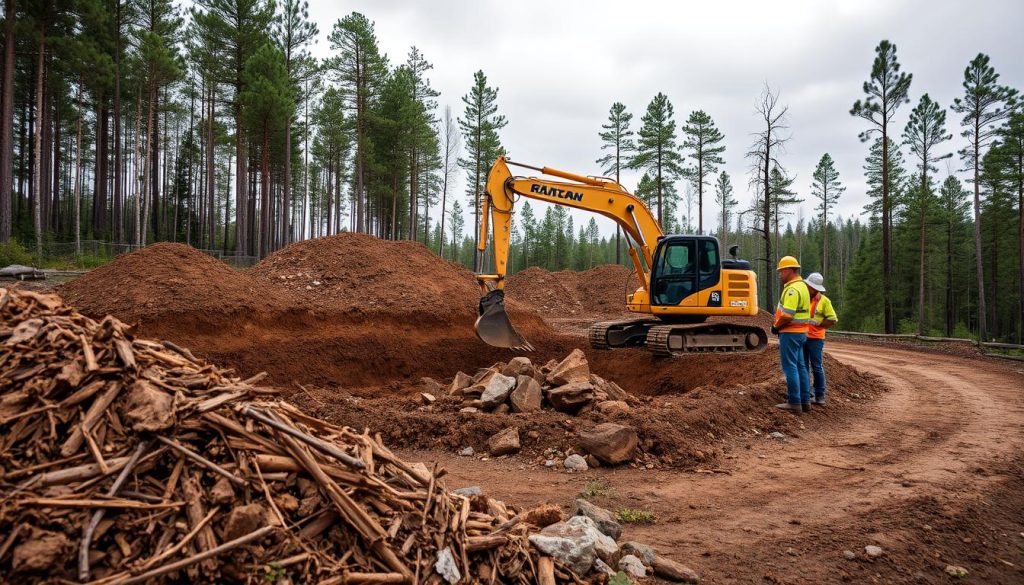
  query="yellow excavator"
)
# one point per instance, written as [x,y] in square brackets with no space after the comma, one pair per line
[684,280]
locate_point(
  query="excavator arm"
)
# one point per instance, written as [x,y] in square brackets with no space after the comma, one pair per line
[598,195]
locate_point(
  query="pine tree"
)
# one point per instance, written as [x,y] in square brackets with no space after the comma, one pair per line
[886,91]
[924,132]
[985,106]
[480,124]
[955,208]
[458,224]
[783,196]
[826,188]
[360,71]
[423,138]
[656,149]
[703,139]
[725,200]
[618,138]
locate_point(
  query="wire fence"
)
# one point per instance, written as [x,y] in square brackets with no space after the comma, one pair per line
[99,249]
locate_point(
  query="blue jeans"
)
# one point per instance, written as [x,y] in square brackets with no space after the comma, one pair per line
[798,382]
[812,352]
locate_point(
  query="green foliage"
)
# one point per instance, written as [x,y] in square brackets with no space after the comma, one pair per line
[618,138]
[703,140]
[725,200]
[11,252]
[657,152]
[597,488]
[620,578]
[635,516]
[886,90]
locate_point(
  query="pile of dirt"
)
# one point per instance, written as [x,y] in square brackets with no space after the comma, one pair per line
[596,293]
[683,409]
[166,281]
[137,462]
[352,272]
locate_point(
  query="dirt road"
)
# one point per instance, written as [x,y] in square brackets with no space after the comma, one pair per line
[933,473]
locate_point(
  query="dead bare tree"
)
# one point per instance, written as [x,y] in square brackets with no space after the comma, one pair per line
[450,145]
[762,155]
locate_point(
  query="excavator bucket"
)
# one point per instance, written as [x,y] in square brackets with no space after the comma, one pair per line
[493,326]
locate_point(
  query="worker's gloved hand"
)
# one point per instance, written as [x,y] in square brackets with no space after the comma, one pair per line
[775,330]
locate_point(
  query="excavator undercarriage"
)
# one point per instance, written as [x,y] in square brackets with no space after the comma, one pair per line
[665,339]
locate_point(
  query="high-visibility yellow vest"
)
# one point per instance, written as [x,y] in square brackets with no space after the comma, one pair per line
[795,300]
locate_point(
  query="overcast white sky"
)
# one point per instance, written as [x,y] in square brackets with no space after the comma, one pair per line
[559,65]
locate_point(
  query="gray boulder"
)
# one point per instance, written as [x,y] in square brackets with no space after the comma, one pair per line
[576,553]
[496,391]
[604,519]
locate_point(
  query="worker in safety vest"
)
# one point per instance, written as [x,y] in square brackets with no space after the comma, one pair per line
[823,316]
[792,316]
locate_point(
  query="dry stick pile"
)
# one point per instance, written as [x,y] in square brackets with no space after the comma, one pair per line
[124,460]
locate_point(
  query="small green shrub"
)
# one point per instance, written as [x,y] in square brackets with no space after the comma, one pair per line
[596,489]
[11,252]
[634,516]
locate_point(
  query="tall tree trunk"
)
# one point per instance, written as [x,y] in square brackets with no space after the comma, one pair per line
[950,312]
[979,260]
[1020,246]
[37,219]
[266,235]
[118,220]
[138,181]
[7,126]
[211,186]
[769,275]
[78,176]
[890,323]
[921,243]
[149,168]
[55,183]
[99,205]
[241,189]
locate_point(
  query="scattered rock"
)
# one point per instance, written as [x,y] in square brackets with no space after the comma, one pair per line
[849,555]
[518,366]
[578,554]
[243,520]
[447,567]
[460,383]
[602,567]
[611,443]
[873,551]
[572,396]
[603,519]
[467,452]
[592,461]
[574,368]
[427,398]
[505,442]
[469,410]
[956,571]
[533,435]
[633,567]
[672,571]
[583,528]
[286,502]
[496,391]
[552,463]
[612,407]
[501,409]
[575,462]
[776,435]
[544,515]
[42,551]
[639,550]
[469,492]
[610,389]
[527,395]
[148,409]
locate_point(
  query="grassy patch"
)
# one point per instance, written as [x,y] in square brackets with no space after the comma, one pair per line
[596,489]
[634,516]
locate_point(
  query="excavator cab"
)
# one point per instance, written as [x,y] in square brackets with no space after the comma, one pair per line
[684,265]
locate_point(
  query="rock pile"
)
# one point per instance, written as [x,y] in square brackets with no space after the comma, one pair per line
[587,542]
[568,386]
[520,386]
[127,461]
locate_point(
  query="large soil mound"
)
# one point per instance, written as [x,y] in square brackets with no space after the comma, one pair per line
[164,281]
[357,272]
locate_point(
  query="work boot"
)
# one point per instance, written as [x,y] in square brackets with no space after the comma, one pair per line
[806,406]
[789,406]
[818,401]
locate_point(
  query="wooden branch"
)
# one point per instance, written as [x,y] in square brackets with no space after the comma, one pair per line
[202,460]
[172,567]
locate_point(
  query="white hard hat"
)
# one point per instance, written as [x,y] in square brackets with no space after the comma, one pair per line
[816,281]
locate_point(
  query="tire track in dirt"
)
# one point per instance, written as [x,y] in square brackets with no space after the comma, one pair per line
[943,442]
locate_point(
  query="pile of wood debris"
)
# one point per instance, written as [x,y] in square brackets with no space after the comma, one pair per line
[124,460]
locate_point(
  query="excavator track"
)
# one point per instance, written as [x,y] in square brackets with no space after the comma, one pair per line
[667,340]
[614,334]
